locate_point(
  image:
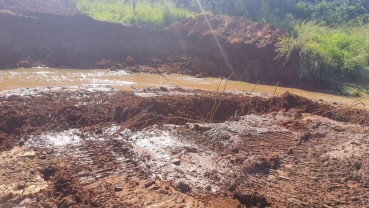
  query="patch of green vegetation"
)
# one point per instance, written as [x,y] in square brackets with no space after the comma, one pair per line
[144,12]
[327,40]
[352,91]
[327,54]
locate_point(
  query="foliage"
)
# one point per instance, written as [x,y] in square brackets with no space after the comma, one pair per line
[326,12]
[150,13]
[328,39]
[352,91]
[327,54]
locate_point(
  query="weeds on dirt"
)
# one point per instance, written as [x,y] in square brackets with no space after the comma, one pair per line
[352,91]
[211,114]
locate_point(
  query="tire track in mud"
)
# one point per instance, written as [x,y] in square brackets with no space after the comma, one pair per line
[260,158]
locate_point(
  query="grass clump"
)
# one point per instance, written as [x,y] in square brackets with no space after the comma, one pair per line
[327,54]
[156,14]
[352,91]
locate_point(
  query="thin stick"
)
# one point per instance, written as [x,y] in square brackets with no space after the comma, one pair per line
[225,85]
[215,101]
[254,87]
[355,102]
[216,109]
[275,88]
[270,104]
[221,80]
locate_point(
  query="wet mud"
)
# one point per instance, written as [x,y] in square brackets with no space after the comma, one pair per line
[180,148]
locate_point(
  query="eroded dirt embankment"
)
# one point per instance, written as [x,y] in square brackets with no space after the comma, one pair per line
[102,149]
[188,47]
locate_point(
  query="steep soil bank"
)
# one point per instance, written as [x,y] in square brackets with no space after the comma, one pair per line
[69,40]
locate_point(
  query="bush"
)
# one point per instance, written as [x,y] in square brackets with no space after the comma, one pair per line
[327,54]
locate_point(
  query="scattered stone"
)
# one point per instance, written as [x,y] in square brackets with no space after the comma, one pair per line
[147,185]
[284,178]
[176,162]
[117,189]
[208,188]
[30,154]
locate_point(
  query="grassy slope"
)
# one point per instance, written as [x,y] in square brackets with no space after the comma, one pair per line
[158,14]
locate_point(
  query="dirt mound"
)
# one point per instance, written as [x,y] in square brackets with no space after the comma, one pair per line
[248,46]
[188,47]
[234,30]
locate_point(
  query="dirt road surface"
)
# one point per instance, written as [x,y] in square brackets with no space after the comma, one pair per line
[180,148]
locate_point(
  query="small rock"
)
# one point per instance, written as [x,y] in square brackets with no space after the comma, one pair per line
[117,189]
[30,154]
[284,178]
[176,162]
[315,179]
[183,187]
[154,188]
[355,199]
[149,184]
[208,188]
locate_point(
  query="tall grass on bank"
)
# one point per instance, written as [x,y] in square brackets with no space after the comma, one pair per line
[157,14]
[327,54]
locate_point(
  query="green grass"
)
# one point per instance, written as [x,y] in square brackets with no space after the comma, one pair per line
[352,91]
[327,54]
[158,14]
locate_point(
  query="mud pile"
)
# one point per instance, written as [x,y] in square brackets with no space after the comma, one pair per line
[65,39]
[100,149]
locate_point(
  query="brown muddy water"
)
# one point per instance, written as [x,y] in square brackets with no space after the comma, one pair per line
[34,78]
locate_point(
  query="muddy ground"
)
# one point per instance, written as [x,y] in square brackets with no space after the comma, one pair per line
[180,148]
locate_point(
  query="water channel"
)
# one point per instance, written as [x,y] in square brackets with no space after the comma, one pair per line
[34,78]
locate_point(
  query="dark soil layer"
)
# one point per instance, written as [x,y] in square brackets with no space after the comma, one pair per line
[36,34]
[57,111]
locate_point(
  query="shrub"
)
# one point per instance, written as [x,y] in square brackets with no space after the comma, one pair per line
[327,54]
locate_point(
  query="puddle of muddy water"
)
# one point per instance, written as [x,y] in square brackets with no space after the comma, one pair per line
[34,78]
[168,154]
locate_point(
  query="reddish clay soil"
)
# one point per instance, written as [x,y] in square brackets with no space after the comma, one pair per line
[59,111]
[286,151]
[56,35]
